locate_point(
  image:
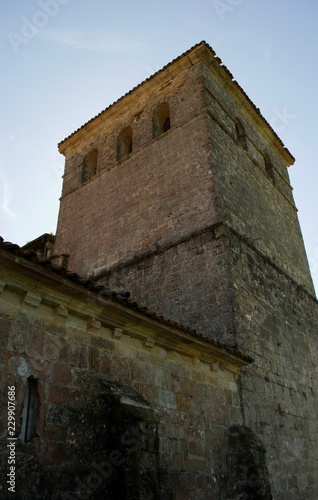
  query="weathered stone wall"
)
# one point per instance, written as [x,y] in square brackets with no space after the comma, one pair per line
[272,317]
[205,232]
[258,208]
[275,318]
[188,282]
[277,321]
[119,414]
[160,193]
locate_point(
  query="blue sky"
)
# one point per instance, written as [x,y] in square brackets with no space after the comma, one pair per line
[65,60]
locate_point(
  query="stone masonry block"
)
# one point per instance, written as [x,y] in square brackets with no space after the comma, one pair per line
[32,299]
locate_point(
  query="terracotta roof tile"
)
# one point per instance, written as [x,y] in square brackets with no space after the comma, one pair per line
[222,66]
[118,297]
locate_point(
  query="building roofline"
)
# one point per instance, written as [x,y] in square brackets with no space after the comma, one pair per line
[43,237]
[203,45]
[18,257]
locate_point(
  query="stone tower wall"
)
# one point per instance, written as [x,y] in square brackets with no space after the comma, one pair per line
[276,319]
[200,226]
[257,204]
[162,193]
[188,282]
[277,323]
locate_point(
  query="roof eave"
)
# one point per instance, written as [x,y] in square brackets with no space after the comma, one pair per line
[200,51]
[117,311]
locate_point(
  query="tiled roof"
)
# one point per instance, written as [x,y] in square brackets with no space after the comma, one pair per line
[118,297]
[222,66]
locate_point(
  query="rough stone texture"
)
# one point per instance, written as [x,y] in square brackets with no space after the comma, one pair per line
[174,293]
[258,209]
[277,321]
[142,203]
[200,226]
[246,460]
[122,414]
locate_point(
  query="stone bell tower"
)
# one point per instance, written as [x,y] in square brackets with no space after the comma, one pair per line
[179,193]
[161,187]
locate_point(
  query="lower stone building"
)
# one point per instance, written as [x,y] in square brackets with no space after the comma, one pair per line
[112,401]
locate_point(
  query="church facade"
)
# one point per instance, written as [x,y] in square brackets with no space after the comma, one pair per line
[177,194]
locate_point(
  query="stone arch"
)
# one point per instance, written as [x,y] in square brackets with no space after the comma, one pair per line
[105,445]
[247,474]
[269,168]
[89,166]
[132,445]
[161,119]
[240,133]
[124,143]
